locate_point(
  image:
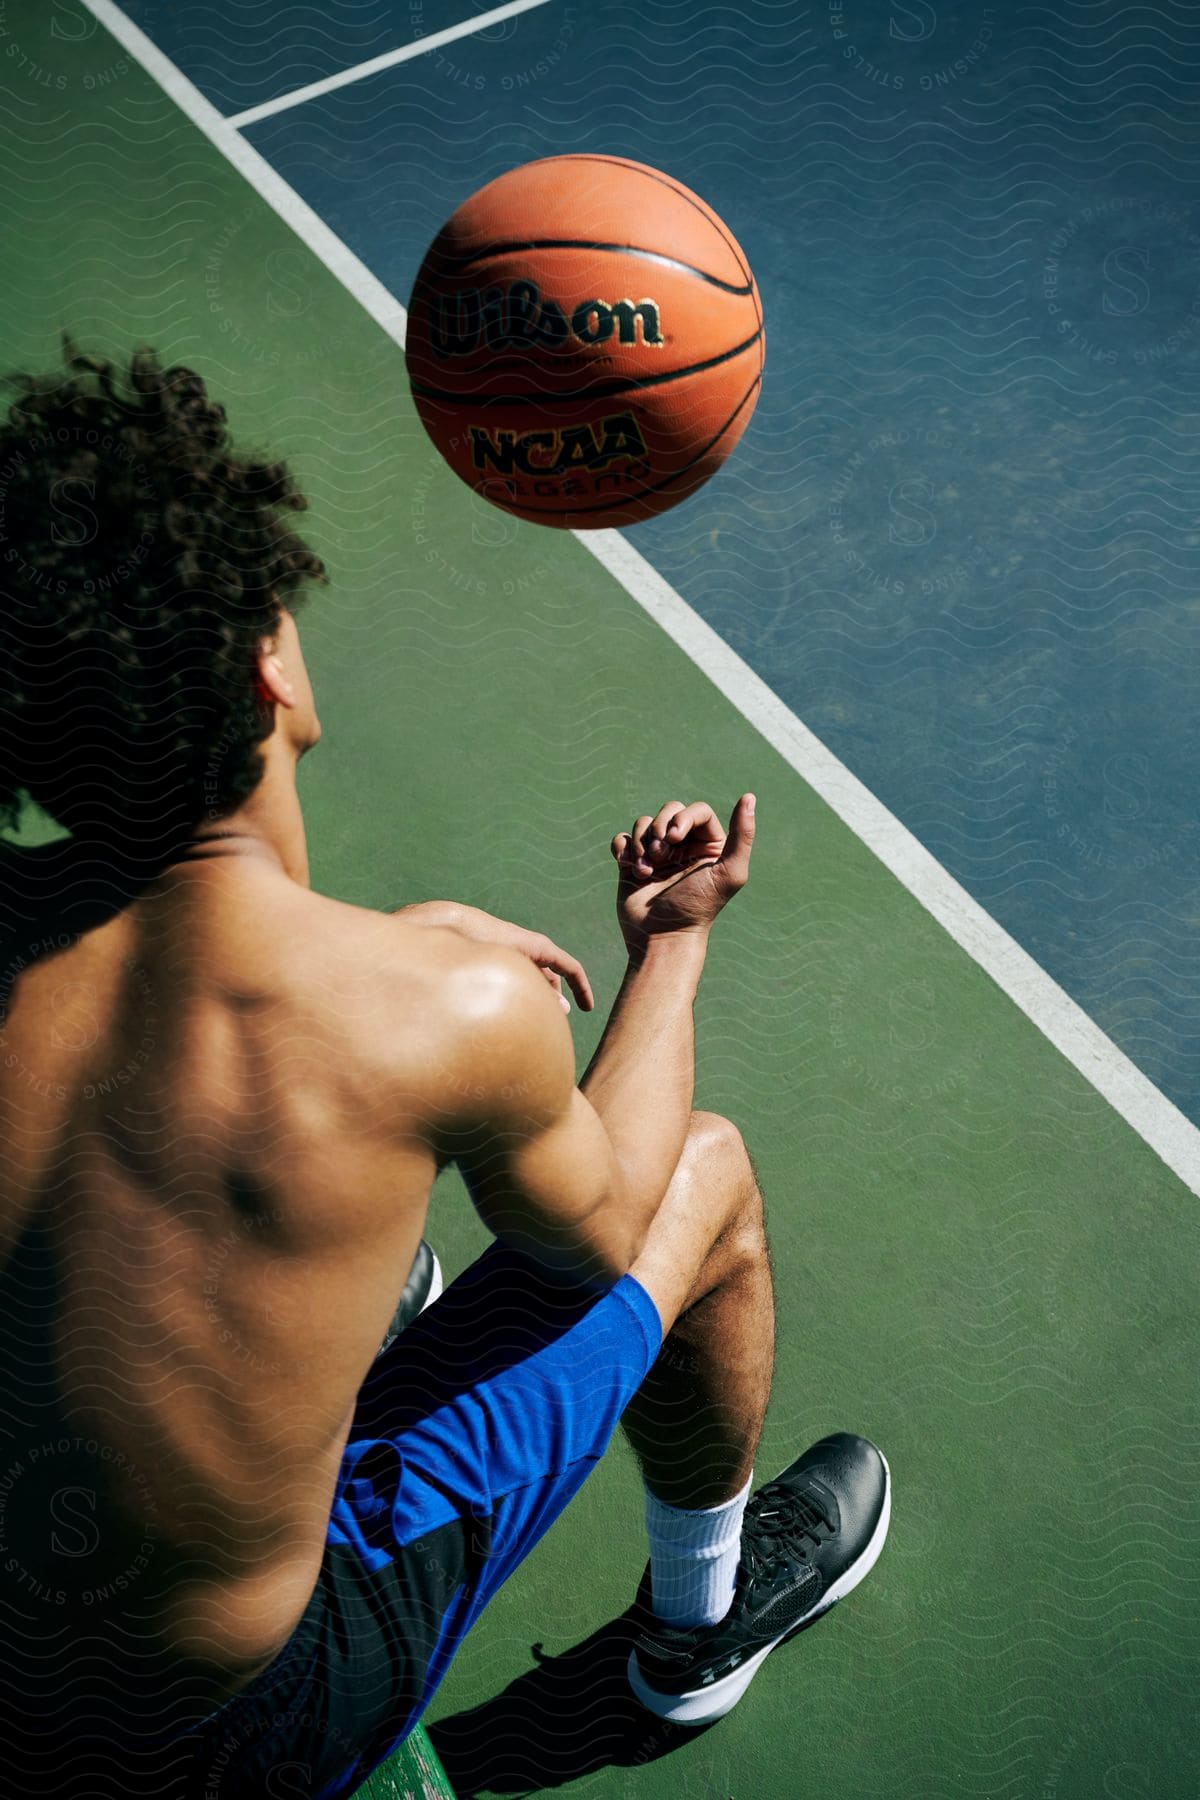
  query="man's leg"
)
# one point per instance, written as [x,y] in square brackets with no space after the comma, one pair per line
[696,1420]
[732,1576]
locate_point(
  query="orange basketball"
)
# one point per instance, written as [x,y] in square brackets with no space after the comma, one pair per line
[585,342]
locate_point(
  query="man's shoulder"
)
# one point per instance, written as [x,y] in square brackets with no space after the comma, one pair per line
[258,934]
[406,967]
[459,1032]
[355,950]
[395,946]
[426,968]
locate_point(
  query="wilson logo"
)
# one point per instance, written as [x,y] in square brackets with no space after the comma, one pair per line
[521,317]
[574,447]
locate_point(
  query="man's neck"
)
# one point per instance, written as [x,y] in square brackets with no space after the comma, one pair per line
[268,824]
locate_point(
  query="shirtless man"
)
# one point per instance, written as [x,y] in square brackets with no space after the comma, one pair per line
[235,1541]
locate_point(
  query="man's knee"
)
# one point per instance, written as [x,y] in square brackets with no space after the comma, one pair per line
[718,1148]
[715,1145]
[712,1134]
[710,1220]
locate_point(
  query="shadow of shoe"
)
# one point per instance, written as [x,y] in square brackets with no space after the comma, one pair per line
[567,1716]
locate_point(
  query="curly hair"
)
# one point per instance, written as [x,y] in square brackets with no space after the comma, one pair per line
[141,563]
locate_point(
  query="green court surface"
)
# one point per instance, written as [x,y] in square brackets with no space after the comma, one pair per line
[979,1264]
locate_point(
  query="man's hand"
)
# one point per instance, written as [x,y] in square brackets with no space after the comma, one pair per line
[677,869]
[482,928]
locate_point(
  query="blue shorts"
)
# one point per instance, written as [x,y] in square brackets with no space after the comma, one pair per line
[471,1434]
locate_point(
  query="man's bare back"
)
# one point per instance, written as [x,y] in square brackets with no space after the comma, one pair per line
[216,1107]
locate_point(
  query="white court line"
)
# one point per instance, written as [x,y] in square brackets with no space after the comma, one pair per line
[388,60]
[1058,1017]
[309,227]
[1133,1095]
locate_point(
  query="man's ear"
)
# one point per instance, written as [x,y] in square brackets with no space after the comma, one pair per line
[273,685]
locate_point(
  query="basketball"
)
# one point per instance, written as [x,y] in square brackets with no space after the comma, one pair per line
[585,342]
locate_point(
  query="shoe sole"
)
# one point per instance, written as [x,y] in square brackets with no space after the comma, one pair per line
[432,1293]
[436,1283]
[707,1704]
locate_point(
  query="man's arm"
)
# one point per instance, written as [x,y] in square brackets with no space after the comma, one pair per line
[676,871]
[535,1157]
[573,1178]
[573,1175]
[641,1081]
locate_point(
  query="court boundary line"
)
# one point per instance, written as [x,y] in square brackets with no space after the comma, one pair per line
[1018,975]
[1060,1019]
[388,59]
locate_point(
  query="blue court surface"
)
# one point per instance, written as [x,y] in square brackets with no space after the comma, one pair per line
[961,539]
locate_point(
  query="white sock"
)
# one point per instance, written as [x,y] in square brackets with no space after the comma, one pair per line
[694,1558]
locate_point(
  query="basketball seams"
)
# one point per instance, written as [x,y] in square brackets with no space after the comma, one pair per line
[697,205]
[664,180]
[600,391]
[454,265]
[676,187]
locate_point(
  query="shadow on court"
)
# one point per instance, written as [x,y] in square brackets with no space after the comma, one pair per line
[566,1717]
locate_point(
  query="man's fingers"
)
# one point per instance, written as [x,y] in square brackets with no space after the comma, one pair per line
[556,984]
[641,831]
[663,817]
[681,824]
[628,861]
[735,858]
[696,817]
[682,834]
[556,962]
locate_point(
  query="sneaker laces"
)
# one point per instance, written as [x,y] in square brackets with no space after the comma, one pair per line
[778,1520]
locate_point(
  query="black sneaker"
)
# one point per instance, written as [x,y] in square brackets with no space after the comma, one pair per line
[422,1288]
[808,1537]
